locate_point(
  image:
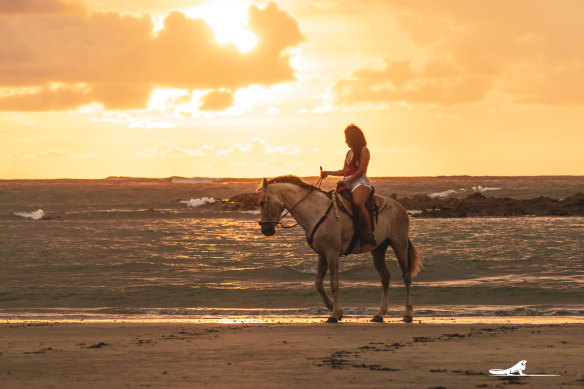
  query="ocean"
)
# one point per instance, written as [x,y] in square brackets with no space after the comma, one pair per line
[127,248]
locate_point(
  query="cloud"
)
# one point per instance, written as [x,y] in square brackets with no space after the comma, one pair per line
[112,117]
[436,83]
[117,60]
[66,96]
[39,7]
[273,111]
[56,153]
[529,51]
[217,100]
[152,124]
[258,146]
[165,150]
[122,117]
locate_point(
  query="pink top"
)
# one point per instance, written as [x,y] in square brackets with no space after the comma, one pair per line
[350,168]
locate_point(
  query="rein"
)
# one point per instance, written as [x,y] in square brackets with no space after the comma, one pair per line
[310,237]
[318,183]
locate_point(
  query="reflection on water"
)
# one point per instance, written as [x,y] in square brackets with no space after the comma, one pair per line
[279,317]
[211,260]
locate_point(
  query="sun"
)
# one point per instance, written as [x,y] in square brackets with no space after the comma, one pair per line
[228,19]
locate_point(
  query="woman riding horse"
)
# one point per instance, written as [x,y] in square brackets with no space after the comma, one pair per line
[354,175]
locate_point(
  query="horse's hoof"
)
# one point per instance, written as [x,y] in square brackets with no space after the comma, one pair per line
[377,319]
[332,320]
[408,319]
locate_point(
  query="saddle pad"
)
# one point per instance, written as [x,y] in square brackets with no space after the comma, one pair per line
[379,202]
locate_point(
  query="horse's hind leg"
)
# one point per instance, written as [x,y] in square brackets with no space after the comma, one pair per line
[381,267]
[321,272]
[401,252]
[408,316]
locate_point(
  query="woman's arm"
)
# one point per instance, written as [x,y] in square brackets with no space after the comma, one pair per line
[339,173]
[326,173]
[363,163]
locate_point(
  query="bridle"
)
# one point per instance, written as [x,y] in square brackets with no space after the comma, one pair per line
[279,221]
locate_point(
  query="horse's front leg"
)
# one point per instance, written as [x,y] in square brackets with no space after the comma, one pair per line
[321,272]
[337,314]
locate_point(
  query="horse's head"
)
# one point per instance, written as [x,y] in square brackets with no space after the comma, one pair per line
[271,207]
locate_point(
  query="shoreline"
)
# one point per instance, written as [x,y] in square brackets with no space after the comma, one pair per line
[294,355]
[299,320]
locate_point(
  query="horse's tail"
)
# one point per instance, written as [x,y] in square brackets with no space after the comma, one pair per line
[414,260]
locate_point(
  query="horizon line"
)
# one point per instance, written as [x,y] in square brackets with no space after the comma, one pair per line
[261,177]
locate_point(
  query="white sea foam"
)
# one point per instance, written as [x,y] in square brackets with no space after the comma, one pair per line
[195,180]
[446,193]
[414,211]
[36,215]
[256,212]
[480,189]
[192,203]
[113,210]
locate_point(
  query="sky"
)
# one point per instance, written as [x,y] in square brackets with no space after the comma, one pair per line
[193,88]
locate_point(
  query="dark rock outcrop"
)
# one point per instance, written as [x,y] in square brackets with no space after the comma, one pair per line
[478,205]
[243,202]
[474,205]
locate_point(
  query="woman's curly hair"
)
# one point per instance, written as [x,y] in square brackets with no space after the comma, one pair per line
[356,141]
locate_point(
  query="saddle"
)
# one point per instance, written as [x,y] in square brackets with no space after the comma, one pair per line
[374,205]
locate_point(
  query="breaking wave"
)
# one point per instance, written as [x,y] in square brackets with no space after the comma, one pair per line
[193,203]
[480,189]
[36,215]
[475,189]
[446,193]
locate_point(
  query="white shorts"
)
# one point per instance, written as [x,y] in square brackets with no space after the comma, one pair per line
[363,180]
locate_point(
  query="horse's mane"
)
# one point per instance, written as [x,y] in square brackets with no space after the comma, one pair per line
[291,179]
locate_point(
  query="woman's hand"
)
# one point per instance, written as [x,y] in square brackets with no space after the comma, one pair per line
[324,174]
[341,183]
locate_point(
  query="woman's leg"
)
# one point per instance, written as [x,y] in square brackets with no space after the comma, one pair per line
[360,196]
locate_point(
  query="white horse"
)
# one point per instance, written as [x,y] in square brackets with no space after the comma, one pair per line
[330,237]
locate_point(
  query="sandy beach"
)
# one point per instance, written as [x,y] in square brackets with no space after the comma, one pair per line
[270,355]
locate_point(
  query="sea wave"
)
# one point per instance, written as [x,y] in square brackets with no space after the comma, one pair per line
[36,215]
[394,310]
[475,189]
[480,189]
[120,210]
[445,193]
[312,312]
[193,203]
[252,212]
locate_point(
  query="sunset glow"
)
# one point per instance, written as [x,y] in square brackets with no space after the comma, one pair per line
[90,89]
[228,19]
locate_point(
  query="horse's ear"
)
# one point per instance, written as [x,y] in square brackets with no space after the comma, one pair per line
[265,183]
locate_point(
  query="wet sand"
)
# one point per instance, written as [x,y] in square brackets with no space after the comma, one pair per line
[298,355]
